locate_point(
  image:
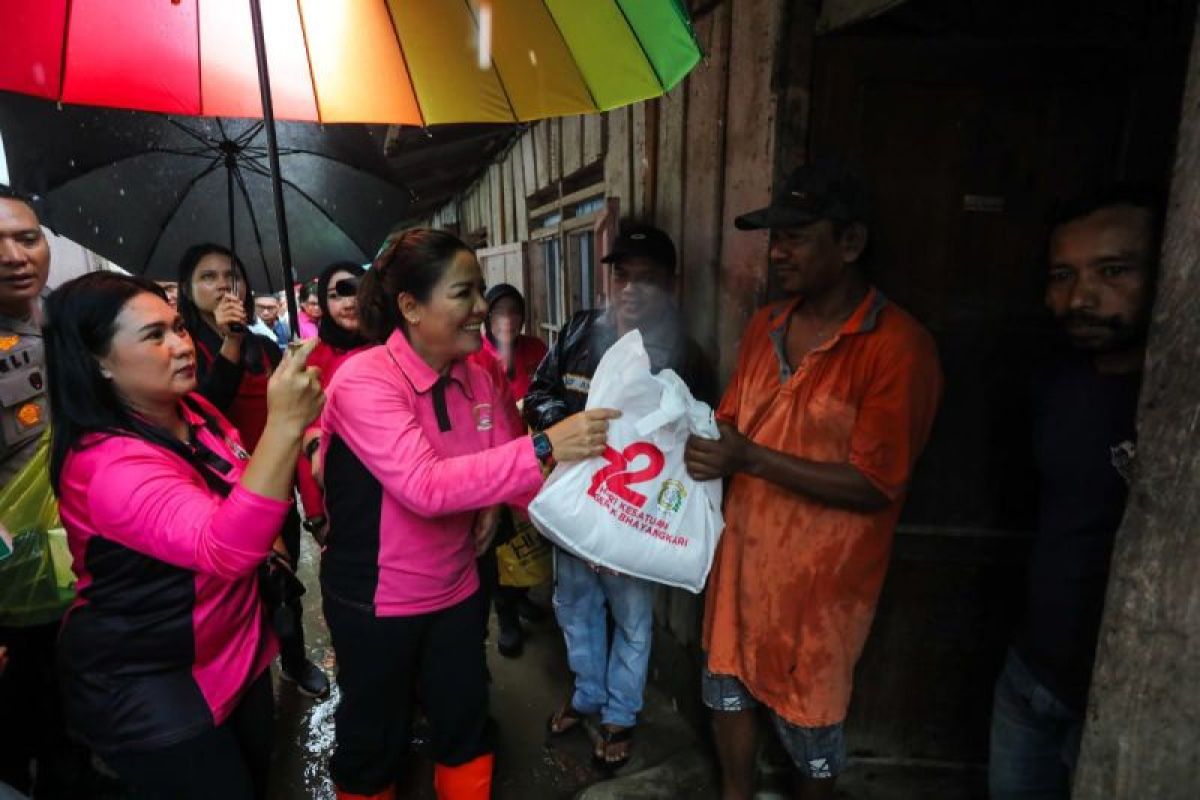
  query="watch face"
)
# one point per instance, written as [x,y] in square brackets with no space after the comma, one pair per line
[541,445]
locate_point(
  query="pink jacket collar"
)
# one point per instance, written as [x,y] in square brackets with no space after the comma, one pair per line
[422,376]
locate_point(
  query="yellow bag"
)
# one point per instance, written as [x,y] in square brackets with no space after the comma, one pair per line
[36,582]
[525,559]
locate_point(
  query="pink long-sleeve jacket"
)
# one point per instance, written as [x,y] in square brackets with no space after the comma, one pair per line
[167,629]
[410,457]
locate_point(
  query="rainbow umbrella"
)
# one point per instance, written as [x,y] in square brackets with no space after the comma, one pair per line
[415,62]
[412,62]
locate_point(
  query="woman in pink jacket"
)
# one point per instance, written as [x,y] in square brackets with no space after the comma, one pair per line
[419,451]
[165,651]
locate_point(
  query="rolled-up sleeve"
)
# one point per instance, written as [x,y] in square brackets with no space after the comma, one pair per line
[151,502]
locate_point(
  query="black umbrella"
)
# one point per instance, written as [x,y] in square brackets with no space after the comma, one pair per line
[140,188]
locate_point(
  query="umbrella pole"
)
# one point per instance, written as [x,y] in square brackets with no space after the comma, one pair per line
[229,198]
[285,249]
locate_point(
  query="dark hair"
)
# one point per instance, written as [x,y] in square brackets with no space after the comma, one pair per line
[1149,198]
[494,295]
[307,290]
[327,328]
[9,193]
[252,356]
[411,261]
[1144,196]
[81,318]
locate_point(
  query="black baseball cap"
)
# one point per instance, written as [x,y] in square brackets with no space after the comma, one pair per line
[643,241]
[822,189]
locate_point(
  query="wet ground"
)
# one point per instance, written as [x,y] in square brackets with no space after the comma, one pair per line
[524,692]
[669,760]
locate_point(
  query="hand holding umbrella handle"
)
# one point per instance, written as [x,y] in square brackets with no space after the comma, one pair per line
[230,317]
[235,291]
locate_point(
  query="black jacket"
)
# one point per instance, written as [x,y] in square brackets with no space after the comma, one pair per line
[560,385]
[218,379]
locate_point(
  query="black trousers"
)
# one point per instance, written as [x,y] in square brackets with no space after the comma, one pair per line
[291,636]
[384,663]
[506,599]
[32,725]
[232,761]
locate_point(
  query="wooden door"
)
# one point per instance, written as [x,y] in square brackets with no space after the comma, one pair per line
[966,147]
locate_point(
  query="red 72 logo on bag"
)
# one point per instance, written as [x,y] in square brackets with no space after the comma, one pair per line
[616,476]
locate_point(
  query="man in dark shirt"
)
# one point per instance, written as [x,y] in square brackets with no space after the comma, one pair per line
[610,679]
[1102,257]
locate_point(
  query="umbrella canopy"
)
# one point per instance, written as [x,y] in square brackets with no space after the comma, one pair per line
[419,62]
[140,188]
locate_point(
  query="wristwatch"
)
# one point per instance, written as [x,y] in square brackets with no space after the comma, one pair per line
[542,447]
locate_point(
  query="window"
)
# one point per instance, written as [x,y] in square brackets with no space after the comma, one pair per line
[564,230]
[582,278]
[552,259]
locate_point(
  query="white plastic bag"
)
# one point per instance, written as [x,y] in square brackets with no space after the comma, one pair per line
[636,510]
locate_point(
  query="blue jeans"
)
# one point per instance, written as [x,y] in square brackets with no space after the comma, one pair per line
[607,681]
[1035,738]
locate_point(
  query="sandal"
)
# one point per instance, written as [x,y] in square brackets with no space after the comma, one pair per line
[564,720]
[611,736]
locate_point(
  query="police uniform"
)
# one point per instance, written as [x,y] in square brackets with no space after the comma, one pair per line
[24,405]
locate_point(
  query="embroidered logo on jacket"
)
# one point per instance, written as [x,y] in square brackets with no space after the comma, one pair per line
[483,417]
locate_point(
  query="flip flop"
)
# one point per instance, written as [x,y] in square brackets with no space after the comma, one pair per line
[608,737]
[568,714]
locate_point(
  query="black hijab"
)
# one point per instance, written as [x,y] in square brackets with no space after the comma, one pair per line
[329,331]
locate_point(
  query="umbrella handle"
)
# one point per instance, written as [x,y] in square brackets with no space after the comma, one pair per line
[235,290]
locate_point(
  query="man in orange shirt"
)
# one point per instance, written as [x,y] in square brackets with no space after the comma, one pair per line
[831,402]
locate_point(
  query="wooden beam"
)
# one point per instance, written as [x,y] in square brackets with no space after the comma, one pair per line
[617,160]
[703,179]
[520,209]
[593,138]
[751,117]
[1140,737]
[572,145]
[554,134]
[668,172]
[528,162]
[496,231]
[640,160]
[541,153]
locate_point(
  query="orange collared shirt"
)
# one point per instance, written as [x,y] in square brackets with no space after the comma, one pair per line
[795,583]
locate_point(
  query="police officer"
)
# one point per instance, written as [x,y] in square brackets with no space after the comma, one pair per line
[33,728]
[24,266]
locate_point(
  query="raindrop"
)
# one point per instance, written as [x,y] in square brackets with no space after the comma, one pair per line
[96,229]
[533,58]
[70,162]
[120,240]
[121,192]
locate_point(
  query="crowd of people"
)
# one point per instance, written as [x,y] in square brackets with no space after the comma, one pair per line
[186,423]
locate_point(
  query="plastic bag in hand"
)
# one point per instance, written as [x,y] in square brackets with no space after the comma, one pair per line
[635,510]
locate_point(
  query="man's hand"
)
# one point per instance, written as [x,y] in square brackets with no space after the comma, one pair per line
[707,459]
[485,529]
